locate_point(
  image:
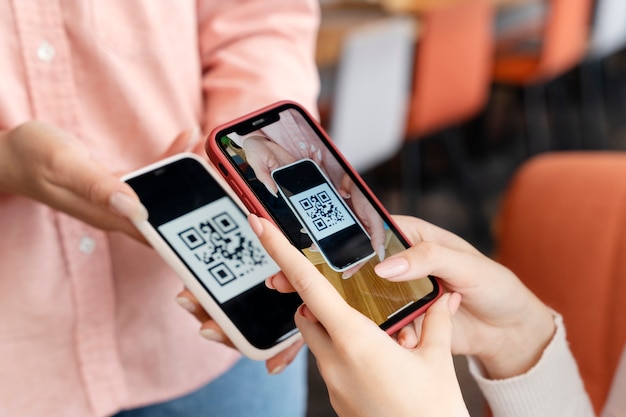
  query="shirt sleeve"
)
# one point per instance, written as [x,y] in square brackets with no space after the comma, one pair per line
[553,387]
[254,53]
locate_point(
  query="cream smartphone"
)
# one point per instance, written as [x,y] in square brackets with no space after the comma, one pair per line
[198,226]
[286,169]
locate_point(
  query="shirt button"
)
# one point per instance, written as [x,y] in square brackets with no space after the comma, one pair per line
[87,245]
[46,51]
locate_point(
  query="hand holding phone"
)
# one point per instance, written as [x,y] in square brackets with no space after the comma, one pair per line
[198,226]
[323,207]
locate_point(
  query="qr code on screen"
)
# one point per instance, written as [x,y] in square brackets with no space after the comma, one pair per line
[321,210]
[223,248]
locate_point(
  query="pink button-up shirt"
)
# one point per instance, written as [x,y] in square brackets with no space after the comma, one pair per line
[88,321]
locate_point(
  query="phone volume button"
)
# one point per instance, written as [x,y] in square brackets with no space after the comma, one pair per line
[249,205]
[235,188]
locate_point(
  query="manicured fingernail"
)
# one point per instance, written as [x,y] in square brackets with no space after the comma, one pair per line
[128,206]
[194,137]
[211,334]
[187,304]
[268,283]
[278,369]
[313,248]
[381,253]
[454,302]
[347,274]
[392,267]
[255,224]
[271,191]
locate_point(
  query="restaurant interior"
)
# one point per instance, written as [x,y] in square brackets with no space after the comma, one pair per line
[445,107]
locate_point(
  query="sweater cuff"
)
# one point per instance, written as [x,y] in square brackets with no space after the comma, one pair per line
[553,387]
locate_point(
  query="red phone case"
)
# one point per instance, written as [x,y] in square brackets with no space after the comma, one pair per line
[241,188]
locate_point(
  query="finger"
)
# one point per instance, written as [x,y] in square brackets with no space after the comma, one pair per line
[437,326]
[276,364]
[376,228]
[280,283]
[451,265]
[185,141]
[210,330]
[317,292]
[190,303]
[313,333]
[263,175]
[408,337]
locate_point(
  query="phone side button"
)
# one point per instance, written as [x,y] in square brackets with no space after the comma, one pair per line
[235,188]
[249,205]
[223,169]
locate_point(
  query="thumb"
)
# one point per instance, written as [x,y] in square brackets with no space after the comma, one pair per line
[185,141]
[437,325]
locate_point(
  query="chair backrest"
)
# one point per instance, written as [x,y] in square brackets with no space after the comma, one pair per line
[368,113]
[566,36]
[608,32]
[452,66]
[562,230]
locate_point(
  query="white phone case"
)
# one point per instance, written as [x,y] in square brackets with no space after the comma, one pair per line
[189,279]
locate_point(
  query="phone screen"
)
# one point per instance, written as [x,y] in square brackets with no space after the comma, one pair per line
[329,221]
[322,205]
[210,234]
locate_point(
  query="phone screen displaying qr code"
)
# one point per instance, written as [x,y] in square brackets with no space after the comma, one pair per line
[217,244]
[321,211]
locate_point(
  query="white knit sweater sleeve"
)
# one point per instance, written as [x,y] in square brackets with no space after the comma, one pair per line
[553,387]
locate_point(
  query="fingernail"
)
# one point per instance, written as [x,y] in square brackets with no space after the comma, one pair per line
[313,248]
[276,370]
[255,224]
[186,304]
[347,274]
[392,267]
[128,206]
[211,334]
[454,302]
[381,253]
[194,137]
[272,192]
[268,283]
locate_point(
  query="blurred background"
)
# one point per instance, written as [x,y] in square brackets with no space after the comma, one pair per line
[438,103]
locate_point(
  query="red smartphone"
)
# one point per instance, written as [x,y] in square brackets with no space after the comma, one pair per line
[285,168]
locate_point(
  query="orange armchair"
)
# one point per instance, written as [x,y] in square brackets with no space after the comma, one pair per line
[562,230]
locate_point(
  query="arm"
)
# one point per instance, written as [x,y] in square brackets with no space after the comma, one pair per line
[551,387]
[256,52]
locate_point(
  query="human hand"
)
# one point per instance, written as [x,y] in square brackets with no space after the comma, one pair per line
[210,330]
[51,166]
[367,373]
[367,215]
[265,155]
[500,321]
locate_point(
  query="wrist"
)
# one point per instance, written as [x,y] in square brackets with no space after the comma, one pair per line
[521,346]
